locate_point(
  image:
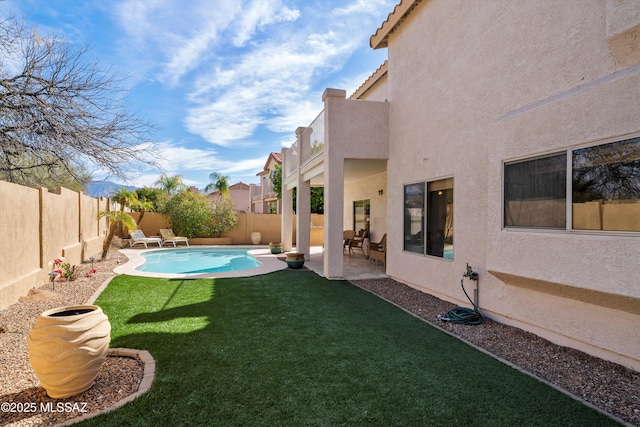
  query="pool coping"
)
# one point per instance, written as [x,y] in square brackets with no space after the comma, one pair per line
[268,263]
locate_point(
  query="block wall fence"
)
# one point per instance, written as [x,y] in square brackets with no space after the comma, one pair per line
[39,226]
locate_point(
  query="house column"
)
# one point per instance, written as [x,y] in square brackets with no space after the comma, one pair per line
[333,184]
[303,200]
[286,230]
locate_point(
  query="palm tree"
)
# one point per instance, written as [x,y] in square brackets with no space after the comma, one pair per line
[116,218]
[218,182]
[138,205]
[124,198]
[170,184]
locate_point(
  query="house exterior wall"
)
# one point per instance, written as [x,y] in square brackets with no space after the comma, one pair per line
[474,84]
[242,197]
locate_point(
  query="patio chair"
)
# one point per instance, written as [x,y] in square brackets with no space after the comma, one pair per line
[358,241]
[169,237]
[347,235]
[378,251]
[138,236]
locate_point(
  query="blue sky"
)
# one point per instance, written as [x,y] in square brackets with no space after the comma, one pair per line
[227,81]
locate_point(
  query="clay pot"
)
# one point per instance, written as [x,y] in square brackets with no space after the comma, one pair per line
[275,248]
[256,236]
[67,346]
[295,260]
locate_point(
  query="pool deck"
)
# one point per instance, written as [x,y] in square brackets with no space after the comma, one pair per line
[356,266]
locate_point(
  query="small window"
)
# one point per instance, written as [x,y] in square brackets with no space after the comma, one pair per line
[535,192]
[428,218]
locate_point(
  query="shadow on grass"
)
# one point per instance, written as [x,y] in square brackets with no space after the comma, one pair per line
[291,348]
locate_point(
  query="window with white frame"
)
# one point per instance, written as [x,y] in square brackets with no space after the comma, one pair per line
[428,218]
[604,189]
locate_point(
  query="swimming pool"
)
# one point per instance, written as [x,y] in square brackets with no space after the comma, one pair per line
[197,261]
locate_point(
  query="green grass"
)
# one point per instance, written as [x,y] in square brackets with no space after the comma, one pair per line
[291,348]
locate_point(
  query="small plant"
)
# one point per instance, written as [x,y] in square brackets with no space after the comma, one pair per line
[91,272]
[65,270]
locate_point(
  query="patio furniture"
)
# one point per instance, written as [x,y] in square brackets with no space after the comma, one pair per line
[358,242]
[169,237]
[347,235]
[378,251]
[138,236]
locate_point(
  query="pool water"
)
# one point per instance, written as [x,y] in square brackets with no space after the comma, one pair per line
[196,261]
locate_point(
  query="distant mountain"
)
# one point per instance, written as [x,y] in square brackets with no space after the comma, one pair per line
[104,188]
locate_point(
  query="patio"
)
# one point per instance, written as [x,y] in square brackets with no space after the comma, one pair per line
[356,266]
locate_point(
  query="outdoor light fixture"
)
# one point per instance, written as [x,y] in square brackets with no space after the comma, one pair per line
[380,192]
[92,259]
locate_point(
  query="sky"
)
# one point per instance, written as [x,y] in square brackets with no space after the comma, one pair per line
[226,81]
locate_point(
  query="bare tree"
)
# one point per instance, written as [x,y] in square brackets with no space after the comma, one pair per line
[61,112]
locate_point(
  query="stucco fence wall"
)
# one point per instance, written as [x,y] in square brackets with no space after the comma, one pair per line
[38,227]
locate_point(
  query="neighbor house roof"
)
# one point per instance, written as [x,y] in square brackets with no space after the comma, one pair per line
[277,157]
[381,38]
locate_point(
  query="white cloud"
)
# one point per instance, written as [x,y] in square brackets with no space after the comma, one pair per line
[259,14]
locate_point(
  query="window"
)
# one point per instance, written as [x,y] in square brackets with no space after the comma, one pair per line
[535,192]
[440,218]
[605,189]
[414,218]
[428,218]
[361,211]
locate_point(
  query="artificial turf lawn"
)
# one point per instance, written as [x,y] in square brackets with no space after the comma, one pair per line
[292,348]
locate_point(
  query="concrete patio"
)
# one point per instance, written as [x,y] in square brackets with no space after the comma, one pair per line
[356,266]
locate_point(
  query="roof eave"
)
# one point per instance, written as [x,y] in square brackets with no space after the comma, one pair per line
[400,12]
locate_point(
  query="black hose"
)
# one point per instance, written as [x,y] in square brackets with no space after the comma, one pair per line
[464,315]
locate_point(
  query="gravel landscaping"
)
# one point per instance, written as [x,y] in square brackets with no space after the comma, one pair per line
[605,385]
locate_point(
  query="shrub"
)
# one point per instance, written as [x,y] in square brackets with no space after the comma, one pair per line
[191,214]
[224,216]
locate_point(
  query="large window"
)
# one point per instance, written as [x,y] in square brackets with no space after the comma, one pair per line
[428,218]
[605,189]
[535,192]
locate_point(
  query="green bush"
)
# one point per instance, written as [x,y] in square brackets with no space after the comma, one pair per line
[224,216]
[195,215]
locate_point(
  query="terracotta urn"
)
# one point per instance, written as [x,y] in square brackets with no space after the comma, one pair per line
[256,237]
[295,260]
[275,247]
[67,346]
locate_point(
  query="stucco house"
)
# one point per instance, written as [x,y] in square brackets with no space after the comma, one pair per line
[264,198]
[500,134]
[241,195]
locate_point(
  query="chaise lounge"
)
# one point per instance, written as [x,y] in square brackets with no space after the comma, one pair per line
[169,237]
[137,236]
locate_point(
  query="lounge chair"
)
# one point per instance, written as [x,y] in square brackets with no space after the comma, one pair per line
[138,236]
[378,251]
[347,235]
[169,237]
[358,241]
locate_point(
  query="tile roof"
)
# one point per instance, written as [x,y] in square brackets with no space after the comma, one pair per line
[371,80]
[400,12]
